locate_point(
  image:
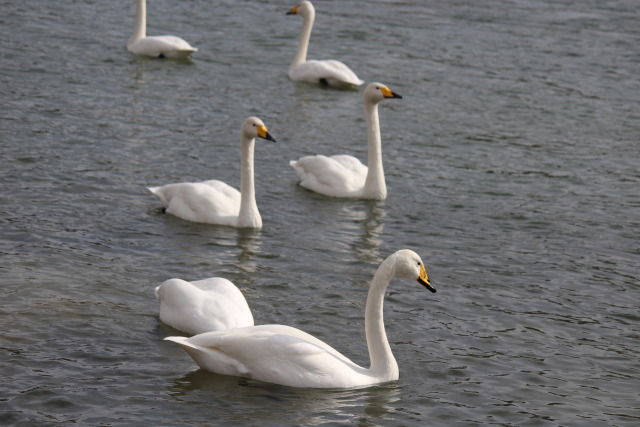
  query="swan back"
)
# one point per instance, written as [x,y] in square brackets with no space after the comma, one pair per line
[202,306]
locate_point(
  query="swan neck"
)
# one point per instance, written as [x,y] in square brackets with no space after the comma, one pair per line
[383,364]
[375,186]
[303,44]
[248,216]
[140,30]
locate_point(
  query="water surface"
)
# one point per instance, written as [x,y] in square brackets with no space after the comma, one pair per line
[512,169]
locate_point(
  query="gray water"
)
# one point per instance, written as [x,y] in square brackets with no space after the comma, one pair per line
[512,169]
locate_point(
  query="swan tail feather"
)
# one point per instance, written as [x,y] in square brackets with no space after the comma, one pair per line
[182,342]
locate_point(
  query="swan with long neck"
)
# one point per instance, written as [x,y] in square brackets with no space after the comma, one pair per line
[155,46]
[344,175]
[215,202]
[200,306]
[328,72]
[285,355]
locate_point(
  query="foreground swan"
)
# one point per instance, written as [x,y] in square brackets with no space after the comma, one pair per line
[215,202]
[156,46]
[285,355]
[328,72]
[344,175]
[212,304]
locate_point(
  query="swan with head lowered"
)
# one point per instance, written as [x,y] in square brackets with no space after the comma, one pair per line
[215,202]
[156,46]
[344,175]
[328,72]
[285,355]
[207,305]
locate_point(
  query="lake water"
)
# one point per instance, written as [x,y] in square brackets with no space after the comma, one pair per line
[512,169]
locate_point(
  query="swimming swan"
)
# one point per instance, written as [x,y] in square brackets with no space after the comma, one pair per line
[329,72]
[207,305]
[344,175]
[156,46]
[286,355]
[215,202]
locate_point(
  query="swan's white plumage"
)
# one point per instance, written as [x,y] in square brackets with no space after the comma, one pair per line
[330,71]
[336,176]
[344,175]
[285,355]
[156,46]
[213,201]
[206,305]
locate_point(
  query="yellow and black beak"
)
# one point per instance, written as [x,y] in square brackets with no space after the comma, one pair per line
[293,11]
[424,279]
[388,93]
[262,133]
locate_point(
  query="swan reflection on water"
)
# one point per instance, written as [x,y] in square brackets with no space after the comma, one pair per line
[246,399]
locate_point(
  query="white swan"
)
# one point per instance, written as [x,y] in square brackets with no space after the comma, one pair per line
[344,175]
[212,304]
[215,202]
[156,46]
[329,72]
[285,355]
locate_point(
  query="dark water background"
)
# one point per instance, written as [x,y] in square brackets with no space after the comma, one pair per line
[512,166]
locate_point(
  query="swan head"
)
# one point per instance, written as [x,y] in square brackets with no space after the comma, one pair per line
[376,92]
[304,9]
[253,128]
[409,265]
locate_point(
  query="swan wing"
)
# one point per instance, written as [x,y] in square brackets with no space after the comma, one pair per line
[211,202]
[274,353]
[203,306]
[159,46]
[336,176]
[330,71]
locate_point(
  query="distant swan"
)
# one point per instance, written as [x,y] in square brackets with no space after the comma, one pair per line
[329,72]
[344,175]
[285,355]
[215,202]
[207,305]
[156,46]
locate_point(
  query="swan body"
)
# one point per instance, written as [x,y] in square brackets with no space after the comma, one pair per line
[156,46]
[202,306]
[344,175]
[329,72]
[285,355]
[215,202]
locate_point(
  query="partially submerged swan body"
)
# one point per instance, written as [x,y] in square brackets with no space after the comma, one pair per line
[288,356]
[215,202]
[155,46]
[328,72]
[206,305]
[343,175]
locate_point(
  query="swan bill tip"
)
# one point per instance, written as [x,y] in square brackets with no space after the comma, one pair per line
[427,285]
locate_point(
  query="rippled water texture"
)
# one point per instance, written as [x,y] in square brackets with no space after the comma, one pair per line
[512,169]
